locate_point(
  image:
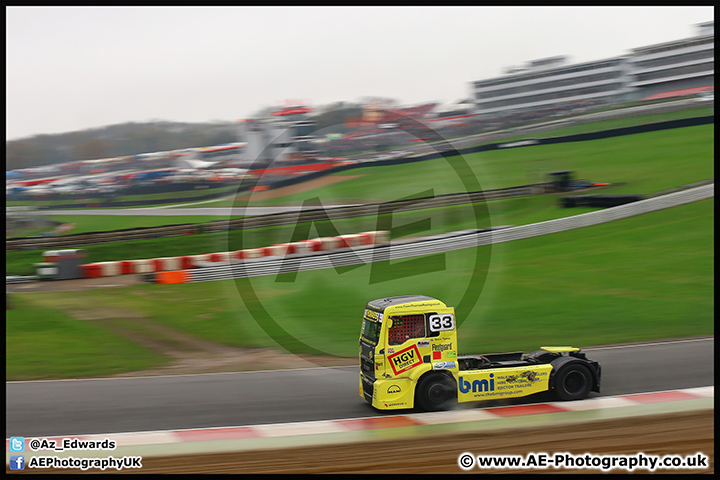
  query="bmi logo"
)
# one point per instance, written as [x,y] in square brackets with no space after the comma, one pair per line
[477,385]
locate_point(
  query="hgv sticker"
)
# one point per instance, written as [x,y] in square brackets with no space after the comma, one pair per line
[405,359]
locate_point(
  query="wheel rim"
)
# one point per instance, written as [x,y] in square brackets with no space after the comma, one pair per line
[574,382]
[437,393]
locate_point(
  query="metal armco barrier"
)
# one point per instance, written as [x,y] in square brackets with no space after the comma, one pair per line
[277,219]
[443,243]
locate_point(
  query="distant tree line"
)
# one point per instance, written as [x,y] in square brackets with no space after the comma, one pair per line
[134,138]
[115,141]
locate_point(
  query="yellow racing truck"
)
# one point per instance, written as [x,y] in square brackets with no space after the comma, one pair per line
[409,359]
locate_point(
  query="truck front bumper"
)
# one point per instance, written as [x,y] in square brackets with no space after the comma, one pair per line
[388,394]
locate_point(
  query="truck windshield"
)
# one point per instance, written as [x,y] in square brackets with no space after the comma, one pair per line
[405,327]
[371,330]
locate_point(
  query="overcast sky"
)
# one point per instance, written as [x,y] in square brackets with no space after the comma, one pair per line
[74,68]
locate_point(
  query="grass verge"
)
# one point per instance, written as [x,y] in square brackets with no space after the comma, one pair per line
[641,278]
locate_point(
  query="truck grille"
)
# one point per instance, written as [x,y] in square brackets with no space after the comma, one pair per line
[367,359]
[367,367]
[367,385]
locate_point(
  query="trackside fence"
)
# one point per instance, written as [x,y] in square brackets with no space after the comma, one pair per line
[272,220]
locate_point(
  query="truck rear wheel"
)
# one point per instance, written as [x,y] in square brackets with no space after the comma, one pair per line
[573,382]
[435,392]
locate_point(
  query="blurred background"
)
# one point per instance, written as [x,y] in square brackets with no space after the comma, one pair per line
[131,201]
[201,190]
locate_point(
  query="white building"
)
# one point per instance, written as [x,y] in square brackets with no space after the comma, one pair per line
[550,82]
[685,66]
[678,65]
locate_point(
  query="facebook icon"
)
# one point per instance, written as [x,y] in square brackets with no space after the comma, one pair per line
[17,462]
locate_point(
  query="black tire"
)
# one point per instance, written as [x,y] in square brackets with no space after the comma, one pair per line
[435,392]
[573,382]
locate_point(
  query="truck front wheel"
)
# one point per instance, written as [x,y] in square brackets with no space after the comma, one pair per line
[573,382]
[435,392]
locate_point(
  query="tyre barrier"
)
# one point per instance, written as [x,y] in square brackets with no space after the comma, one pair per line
[294,248]
[216,257]
[90,270]
[249,253]
[126,267]
[275,250]
[142,266]
[168,267]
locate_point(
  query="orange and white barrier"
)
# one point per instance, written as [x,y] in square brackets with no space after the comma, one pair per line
[375,237]
[196,260]
[300,247]
[143,266]
[90,270]
[172,265]
[351,240]
[275,250]
[101,269]
[250,253]
[109,269]
[295,248]
[324,244]
[185,262]
[165,264]
[127,266]
[220,257]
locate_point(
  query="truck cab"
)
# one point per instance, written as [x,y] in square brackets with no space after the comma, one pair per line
[409,358]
